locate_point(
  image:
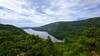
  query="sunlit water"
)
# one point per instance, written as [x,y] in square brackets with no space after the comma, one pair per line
[41,34]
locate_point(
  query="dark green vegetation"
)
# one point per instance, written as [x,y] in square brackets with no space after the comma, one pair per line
[11,29]
[88,44]
[82,38]
[68,30]
[15,42]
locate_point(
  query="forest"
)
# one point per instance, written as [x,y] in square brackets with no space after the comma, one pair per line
[15,42]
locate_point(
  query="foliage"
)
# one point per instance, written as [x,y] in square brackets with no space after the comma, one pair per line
[82,38]
[69,30]
[12,44]
[88,44]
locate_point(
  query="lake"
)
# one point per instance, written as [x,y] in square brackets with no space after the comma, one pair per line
[42,34]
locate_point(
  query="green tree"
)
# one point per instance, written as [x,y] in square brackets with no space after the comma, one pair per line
[90,40]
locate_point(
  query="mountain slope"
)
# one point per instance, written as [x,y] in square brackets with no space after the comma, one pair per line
[11,29]
[15,42]
[69,29]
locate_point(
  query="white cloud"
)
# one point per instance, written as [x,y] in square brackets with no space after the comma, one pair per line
[40,12]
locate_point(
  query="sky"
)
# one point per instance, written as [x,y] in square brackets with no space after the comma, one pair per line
[34,13]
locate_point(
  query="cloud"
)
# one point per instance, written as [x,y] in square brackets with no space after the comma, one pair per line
[41,12]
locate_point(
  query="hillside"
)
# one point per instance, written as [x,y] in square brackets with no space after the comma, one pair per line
[11,29]
[69,29]
[15,42]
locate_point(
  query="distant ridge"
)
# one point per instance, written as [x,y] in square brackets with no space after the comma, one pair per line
[69,29]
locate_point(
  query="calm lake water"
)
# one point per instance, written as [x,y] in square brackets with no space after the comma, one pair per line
[41,34]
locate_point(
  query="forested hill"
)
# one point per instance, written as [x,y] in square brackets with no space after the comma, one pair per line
[15,42]
[11,29]
[69,29]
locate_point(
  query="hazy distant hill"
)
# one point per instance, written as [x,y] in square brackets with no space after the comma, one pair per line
[69,29]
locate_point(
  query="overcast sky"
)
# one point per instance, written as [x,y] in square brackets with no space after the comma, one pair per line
[41,12]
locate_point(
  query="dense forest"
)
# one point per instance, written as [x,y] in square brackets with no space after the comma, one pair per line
[81,38]
[15,42]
